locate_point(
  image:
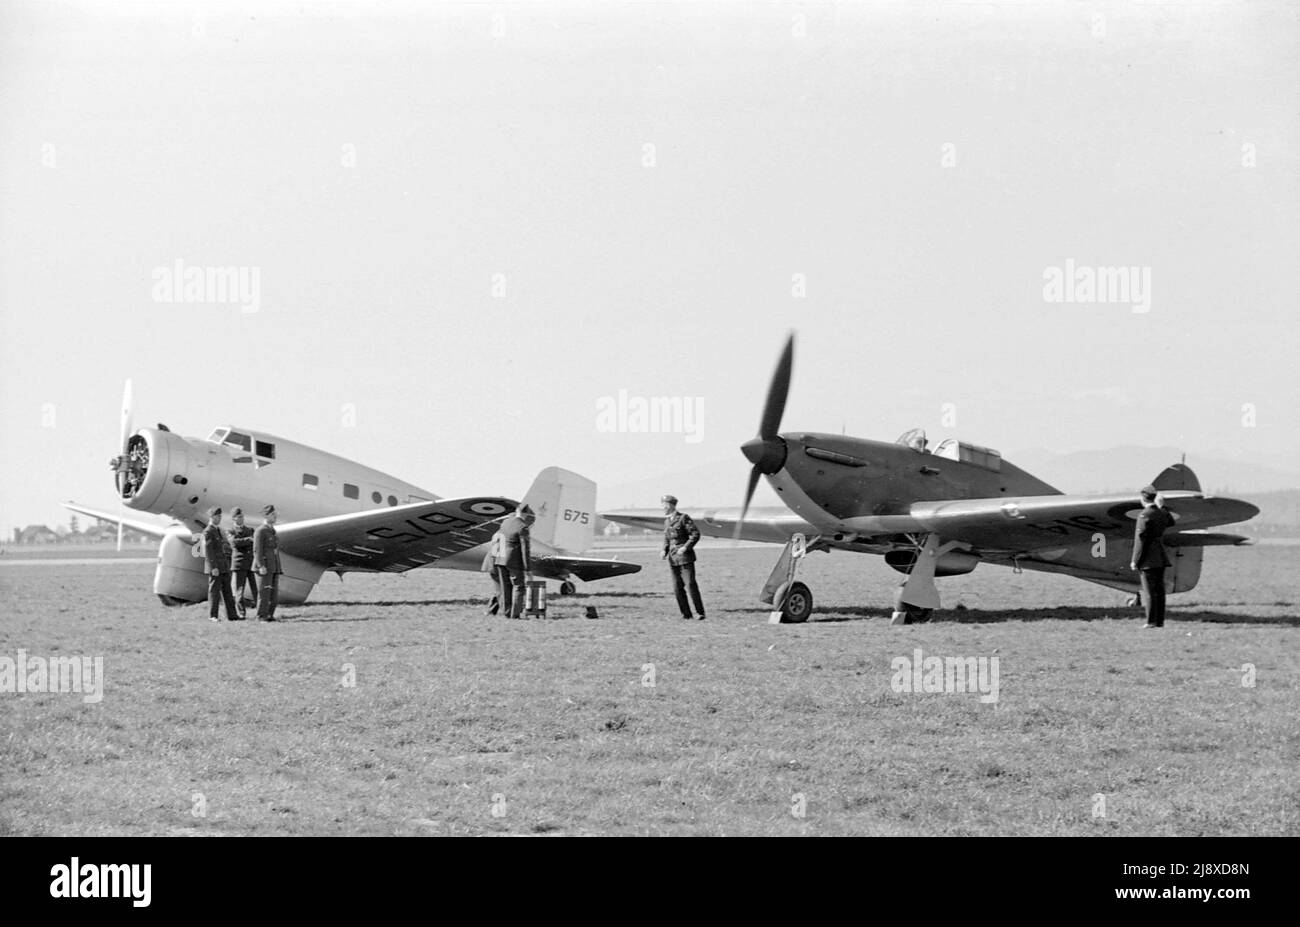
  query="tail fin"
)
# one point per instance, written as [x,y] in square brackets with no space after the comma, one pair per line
[1179,476]
[1185,562]
[565,503]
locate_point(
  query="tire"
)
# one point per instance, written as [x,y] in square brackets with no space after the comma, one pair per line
[796,603]
[916,615]
[567,588]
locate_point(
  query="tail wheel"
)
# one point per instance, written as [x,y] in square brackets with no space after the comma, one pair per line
[796,603]
[567,588]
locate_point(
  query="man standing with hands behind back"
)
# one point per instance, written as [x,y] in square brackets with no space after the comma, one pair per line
[216,563]
[1149,556]
[680,538]
[266,559]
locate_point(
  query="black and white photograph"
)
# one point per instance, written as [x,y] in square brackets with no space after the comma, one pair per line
[671,419]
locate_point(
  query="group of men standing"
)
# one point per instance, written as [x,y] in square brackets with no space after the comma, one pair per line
[242,555]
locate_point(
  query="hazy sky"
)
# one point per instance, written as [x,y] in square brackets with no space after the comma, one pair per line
[470,224]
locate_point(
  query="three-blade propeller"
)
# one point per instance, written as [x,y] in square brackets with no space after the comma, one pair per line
[767,451]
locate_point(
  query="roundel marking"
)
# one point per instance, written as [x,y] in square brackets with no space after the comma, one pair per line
[486,508]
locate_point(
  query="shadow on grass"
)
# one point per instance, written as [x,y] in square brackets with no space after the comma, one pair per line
[391,603]
[1174,616]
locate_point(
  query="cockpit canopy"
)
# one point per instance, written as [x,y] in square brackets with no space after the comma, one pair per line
[913,438]
[952,449]
[984,457]
[243,440]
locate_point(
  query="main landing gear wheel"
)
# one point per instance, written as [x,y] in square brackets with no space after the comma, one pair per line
[796,603]
[567,588]
[916,615]
[906,613]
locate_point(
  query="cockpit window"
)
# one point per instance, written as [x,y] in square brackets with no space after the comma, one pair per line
[235,439]
[218,435]
[266,449]
[984,457]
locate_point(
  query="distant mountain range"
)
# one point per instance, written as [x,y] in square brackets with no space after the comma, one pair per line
[1123,469]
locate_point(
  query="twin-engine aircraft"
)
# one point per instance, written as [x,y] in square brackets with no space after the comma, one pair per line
[334,514]
[942,512]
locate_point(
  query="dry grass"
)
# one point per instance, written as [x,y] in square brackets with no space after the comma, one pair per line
[452,709]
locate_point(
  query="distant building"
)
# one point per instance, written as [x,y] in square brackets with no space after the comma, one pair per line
[37,534]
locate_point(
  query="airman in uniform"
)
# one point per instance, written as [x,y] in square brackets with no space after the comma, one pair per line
[680,538]
[216,563]
[241,561]
[1149,556]
[491,566]
[516,561]
[266,560]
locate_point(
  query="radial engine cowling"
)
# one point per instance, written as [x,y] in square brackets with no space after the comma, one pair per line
[179,578]
[951,563]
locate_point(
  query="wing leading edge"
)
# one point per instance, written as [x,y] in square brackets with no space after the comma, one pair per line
[396,539]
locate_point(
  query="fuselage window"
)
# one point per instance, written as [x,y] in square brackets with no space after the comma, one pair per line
[392,500]
[309,481]
[266,449]
[376,497]
[351,491]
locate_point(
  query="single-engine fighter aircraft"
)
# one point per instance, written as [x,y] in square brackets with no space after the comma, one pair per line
[335,514]
[942,512]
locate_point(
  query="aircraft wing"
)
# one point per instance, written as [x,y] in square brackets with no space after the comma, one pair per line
[396,539]
[1037,522]
[770,525]
[587,569]
[151,528]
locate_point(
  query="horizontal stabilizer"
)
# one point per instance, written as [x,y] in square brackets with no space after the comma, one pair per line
[587,569]
[1205,539]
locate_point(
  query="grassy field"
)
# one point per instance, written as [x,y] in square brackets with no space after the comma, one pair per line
[463,724]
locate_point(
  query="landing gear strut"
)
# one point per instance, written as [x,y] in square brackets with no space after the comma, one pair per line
[917,598]
[791,601]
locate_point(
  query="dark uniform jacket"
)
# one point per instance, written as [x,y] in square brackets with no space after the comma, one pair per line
[516,545]
[1148,549]
[241,543]
[266,549]
[680,538]
[216,551]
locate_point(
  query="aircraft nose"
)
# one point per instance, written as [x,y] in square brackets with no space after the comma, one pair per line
[766,454]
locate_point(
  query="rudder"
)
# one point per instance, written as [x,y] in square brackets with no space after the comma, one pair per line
[1185,562]
[565,503]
